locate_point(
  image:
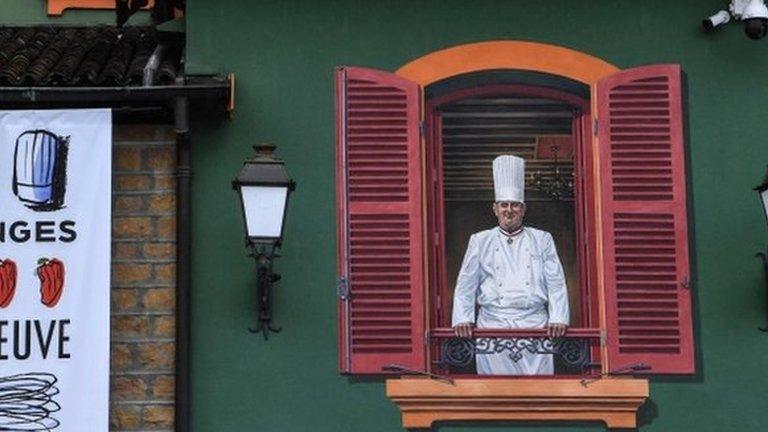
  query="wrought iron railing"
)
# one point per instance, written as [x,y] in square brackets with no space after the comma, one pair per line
[575,350]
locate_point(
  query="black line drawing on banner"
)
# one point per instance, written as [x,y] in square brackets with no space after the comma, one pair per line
[27,402]
[40,169]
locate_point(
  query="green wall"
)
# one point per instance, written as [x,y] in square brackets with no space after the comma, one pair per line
[284,52]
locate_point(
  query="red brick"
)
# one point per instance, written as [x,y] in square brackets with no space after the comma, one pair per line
[125,250]
[132,182]
[127,159]
[159,250]
[165,182]
[125,417]
[163,387]
[169,135]
[160,299]
[165,273]
[131,273]
[130,326]
[165,203]
[120,357]
[124,299]
[128,204]
[158,416]
[166,227]
[160,159]
[155,356]
[164,326]
[129,388]
[133,227]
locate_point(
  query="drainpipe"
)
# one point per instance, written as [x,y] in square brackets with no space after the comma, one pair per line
[183,258]
[150,69]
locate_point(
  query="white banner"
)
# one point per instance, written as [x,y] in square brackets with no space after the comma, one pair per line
[55,212]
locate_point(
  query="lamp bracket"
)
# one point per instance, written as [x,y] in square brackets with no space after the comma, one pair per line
[264,279]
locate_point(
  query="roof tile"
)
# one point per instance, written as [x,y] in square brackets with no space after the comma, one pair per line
[81,56]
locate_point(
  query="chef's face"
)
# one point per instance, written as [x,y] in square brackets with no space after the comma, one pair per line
[510,214]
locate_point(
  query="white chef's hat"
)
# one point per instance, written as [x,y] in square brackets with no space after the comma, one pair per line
[509,178]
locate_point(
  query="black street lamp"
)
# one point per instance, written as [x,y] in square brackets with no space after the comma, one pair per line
[264,188]
[762,189]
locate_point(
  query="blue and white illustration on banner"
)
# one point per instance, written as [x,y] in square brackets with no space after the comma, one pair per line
[55,231]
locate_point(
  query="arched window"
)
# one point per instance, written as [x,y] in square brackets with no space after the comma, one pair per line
[630,217]
[402,161]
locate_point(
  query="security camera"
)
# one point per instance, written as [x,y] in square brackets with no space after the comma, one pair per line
[755,17]
[754,13]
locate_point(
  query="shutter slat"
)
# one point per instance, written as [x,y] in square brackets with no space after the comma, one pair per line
[642,329]
[372,177]
[381,329]
[380,240]
[643,119]
[376,122]
[645,242]
[364,292]
[642,87]
[388,321]
[379,153]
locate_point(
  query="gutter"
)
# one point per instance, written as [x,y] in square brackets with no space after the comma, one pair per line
[198,88]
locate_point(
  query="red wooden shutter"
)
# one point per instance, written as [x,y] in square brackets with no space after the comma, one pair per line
[644,221]
[381,309]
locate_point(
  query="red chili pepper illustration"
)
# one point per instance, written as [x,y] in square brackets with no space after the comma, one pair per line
[7,282]
[51,274]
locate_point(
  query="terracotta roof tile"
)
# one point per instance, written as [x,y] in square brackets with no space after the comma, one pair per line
[81,56]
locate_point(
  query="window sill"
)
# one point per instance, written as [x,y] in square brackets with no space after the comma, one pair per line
[423,401]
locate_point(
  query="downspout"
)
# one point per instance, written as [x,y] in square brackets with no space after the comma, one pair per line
[150,69]
[183,258]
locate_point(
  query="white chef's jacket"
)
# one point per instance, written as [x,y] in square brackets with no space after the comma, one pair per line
[516,285]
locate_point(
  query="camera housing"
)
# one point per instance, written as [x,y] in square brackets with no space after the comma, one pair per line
[754,13]
[755,16]
[720,18]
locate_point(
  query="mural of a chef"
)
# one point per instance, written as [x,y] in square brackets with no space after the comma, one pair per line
[512,277]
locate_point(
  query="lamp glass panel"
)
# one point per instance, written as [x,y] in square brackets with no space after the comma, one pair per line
[264,209]
[764,197]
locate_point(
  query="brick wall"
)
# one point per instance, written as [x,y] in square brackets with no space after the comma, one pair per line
[143,278]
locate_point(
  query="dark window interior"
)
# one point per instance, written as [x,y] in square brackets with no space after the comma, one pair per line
[477,130]
[471,123]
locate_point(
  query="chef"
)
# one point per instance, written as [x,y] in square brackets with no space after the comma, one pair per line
[511,278]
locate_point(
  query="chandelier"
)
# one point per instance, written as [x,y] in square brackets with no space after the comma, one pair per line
[557,187]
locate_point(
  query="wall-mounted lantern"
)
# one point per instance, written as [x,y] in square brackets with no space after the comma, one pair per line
[762,189]
[264,188]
